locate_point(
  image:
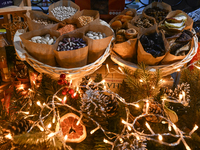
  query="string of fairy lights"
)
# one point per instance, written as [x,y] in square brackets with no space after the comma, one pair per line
[129,131]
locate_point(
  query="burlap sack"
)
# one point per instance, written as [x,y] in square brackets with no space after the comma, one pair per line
[72,58]
[188,23]
[170,58]
[97,47]
[147,58]
[41,52]
[31,15]
[161,5]
[128,49]
[65,3]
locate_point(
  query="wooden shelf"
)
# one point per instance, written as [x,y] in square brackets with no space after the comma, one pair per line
[13,9]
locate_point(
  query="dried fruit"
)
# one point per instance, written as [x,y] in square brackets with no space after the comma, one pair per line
[74,132]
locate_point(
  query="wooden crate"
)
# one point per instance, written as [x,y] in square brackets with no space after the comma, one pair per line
[19,8]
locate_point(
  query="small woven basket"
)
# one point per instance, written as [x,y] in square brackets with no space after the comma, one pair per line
[71,73]
[165,69]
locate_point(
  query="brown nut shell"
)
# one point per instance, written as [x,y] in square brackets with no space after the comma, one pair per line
[121,31]
[131,33]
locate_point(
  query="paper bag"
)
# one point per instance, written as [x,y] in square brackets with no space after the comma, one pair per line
[96,47]
[31,15]
[66,3]
[41,52]
[170,58]
[147,58]
[72,58]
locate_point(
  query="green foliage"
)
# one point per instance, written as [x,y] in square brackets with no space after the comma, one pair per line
[141,84]
[38,141]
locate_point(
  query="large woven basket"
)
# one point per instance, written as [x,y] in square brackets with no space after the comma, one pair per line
[165,69]
[71,73]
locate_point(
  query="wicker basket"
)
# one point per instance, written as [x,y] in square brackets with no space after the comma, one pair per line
[165,69]
[71,73]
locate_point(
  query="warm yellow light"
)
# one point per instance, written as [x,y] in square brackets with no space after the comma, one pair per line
[54,119]
[194,129]
[141,80]
[120,70]
[8,136]
[51,135]
[153,87]
[124,122]
[38,103]
[49,125]
[121,140]
[107,66]
[169,127]
[136,105]
[64,99]
[148,126]
[129,128]
[58,98]
[21,87]
[66,137]
[41,128]
[160,138]
[94,130]
[178,70]
[187,147]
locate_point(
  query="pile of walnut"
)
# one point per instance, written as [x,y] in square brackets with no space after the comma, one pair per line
[181,45]
[144,22]
[46,39]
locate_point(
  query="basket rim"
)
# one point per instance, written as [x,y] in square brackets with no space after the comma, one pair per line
[165,69]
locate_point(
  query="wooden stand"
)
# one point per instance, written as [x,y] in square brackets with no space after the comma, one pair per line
[20,8]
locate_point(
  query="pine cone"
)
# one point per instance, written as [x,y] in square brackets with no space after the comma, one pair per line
[18,127]
[154,108]
[178,90]
[84,82]
[99,104]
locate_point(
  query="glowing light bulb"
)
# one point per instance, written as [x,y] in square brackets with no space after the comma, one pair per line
[66,137]
[38,103]
[94,130]
[49,125]
[137,105]
[141,80]
[178,70]
[160,138]
[9,136]
[121,140]
[123,121]
[193,130]
[169,127]
[107,66]
[148,126]
[64,100]
[129,128]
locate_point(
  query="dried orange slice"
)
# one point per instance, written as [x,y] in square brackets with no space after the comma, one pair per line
[72,132]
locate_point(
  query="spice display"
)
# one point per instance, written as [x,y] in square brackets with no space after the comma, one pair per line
[153,44]
[85,20]
[43,21]
[61,13]
[144,22]
[158,13]
[177,22]
[71,44]
[66,29]
[181,46]
[46,39]
[95,35]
